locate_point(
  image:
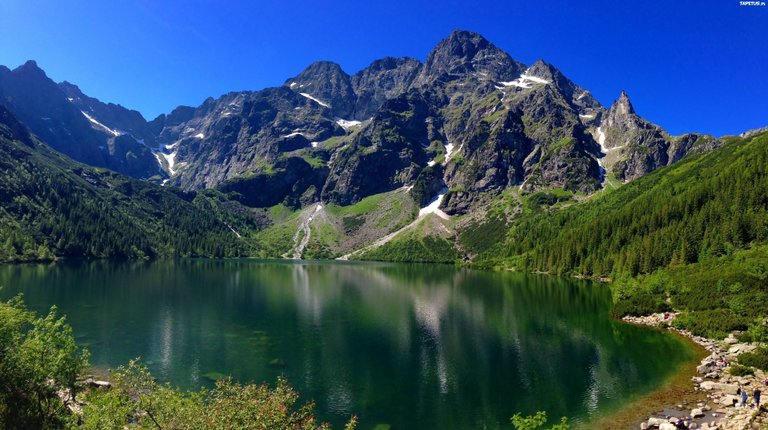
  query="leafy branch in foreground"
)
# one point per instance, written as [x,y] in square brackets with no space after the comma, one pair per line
[137,398]
[537,421]
[39,367]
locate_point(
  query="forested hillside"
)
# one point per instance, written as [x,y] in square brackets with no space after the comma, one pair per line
[689,237]
[703,207]
[51,206]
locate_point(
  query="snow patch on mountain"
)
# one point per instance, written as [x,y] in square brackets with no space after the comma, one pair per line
[101,126]
[159,158]
[434,206]
[315,100]
[171,160]
[448,151]
[294,134]
[346,124]
[525,81]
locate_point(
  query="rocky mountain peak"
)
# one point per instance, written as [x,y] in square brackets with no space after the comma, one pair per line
[31,68]
[579,98]
[318,70]
[642,145]
[325,83]
[464,53]
[463,43]
[179,114]
[470,118]
[621,112]
[388,63]
[623,104]
[71,90]
[543,70]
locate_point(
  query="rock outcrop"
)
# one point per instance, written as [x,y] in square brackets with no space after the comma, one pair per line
[641,145]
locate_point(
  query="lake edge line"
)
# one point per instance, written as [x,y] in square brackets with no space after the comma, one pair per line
[710,381]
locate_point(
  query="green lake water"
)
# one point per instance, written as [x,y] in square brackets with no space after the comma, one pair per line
[411,346]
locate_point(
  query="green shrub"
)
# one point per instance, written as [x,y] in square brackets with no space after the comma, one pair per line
[415,249]
[715,323]
[640,303]
[38,359]
[739,370]
[757,358]
[537,422]
[137,398]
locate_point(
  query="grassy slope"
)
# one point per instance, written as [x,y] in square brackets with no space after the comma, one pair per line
[338,229]
[429,241]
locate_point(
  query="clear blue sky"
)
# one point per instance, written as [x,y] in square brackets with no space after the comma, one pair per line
[688,65]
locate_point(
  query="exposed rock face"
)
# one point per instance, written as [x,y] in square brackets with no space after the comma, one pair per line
[427,185]
[643,146]
[383,80]
[12,129]
[528,132]
[690,144]
[37,101]
[243,133]
[465,53]
[387,154]
[47,110]
[329,85]
[293,182]
[116,116]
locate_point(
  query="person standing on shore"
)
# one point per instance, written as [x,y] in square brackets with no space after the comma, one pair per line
[756,395]
[743,398]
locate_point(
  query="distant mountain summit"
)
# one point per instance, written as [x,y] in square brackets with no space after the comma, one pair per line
[464,53]
[634,146]
[463,127]
[72,122]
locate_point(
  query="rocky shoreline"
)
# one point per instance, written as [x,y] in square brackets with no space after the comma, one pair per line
[720,411]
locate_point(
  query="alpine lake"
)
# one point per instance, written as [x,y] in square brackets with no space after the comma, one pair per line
[402,346]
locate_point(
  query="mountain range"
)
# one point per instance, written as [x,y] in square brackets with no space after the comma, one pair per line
[331,164]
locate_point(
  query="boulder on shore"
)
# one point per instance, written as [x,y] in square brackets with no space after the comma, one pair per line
[718,386]
[729,400]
